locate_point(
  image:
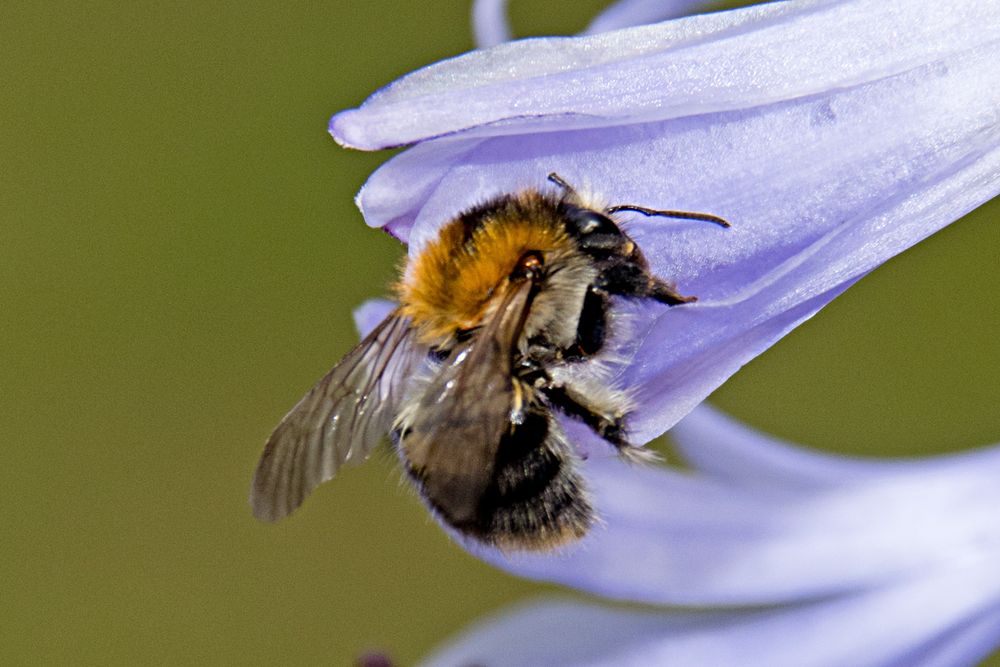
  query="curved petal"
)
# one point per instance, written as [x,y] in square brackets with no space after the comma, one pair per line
[702,64]
[552,632]
[629,13]
[489,23]
[948,618]
[491,26]
[763,521]
[368,315]
[820,190]
[861,145]
[694,540]
[966,644]
[725,449]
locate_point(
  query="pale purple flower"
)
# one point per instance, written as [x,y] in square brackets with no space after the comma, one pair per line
[795,558]
[833,135]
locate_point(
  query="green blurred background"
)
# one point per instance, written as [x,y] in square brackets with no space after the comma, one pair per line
[180,257]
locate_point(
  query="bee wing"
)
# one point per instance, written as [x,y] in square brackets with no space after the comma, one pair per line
[340,420]
[452,433]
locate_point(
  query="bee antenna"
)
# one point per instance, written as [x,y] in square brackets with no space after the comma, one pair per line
[568,189]
[680,215]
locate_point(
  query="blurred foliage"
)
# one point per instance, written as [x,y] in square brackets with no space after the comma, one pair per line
[181,257]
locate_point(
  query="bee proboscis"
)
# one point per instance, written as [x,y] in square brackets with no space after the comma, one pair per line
[501,323]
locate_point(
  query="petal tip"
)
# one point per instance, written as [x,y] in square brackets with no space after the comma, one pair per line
[347,133]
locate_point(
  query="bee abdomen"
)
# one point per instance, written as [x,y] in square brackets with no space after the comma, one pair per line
[536,499]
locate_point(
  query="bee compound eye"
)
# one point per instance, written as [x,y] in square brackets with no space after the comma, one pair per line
[587,222]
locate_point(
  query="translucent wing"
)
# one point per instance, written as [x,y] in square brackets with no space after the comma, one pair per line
[339,421]
[451,434]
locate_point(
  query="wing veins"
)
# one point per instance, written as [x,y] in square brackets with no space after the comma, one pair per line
[338,421]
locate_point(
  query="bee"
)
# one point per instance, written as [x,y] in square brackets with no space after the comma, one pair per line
[500,326]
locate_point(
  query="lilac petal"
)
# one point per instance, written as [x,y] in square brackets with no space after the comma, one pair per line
[821,190]
[765,522]
[701,64]
[370,313]
[629,13]
[867,145]
[489,23]
[724,449]
[400,188]
[551,633]
[966,644]
[951,616]
[694,540]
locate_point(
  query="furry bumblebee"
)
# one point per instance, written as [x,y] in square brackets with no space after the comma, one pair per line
[499,326]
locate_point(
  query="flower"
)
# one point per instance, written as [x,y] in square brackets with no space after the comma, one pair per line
[795,558]
[833,136]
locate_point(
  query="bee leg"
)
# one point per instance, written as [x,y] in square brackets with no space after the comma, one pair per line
[628,278]
[592,329]
[568,402]
[665,293]
[610,428]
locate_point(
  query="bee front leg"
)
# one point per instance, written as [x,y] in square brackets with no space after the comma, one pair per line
[610,427]
[630,278]
[665,293]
